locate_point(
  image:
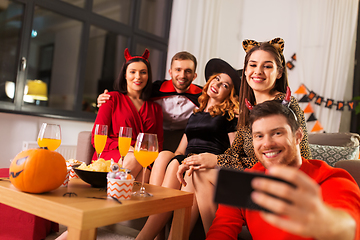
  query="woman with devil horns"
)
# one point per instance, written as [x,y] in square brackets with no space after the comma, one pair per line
[129,107]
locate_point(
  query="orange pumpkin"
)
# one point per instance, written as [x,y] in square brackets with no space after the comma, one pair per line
[37,170]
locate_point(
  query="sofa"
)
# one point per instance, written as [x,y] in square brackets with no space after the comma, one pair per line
[333,147]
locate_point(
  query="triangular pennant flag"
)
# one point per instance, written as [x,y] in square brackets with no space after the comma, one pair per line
[317,127]
[329,103]
[301,90]
[304,99]
[350,104]
[311,118]
[308,109]
[319,100]
[340,106]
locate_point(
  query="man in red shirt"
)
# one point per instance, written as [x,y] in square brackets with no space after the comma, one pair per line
[325,204]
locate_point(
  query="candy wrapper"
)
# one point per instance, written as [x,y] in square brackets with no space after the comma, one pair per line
[67,178]
[119,182]
[69,164]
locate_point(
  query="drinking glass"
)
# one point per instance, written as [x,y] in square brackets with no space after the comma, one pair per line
[100,138]
[125,135]
[49,136]
[146,151]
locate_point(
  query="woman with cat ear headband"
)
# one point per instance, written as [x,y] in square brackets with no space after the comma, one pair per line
[264,78]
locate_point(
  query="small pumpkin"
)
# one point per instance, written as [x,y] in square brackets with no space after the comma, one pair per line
[37,170]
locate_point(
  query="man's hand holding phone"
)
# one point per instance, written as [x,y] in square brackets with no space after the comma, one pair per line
[287,198]
[235,188]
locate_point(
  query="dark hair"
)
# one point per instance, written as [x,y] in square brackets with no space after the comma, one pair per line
[185,56]
[247,92]
[273,107]
[120,83]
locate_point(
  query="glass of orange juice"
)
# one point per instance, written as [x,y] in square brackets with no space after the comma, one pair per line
[146,151]
[100,138]
[125,135]
[49,136]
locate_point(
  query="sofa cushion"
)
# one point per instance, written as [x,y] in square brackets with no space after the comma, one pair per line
[332,154]
[334,139]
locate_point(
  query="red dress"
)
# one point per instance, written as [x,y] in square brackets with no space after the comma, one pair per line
[338,189]
[119,111]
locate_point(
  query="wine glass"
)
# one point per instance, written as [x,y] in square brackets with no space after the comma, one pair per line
[146,151]
[49,136]
[125,135]
[100,138]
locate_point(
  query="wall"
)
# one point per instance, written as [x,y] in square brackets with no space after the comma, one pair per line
[15,129]
[221,32]
[238,20]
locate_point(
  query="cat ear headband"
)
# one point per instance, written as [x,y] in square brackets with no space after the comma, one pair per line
[145,55]
[286,102]
[278,43]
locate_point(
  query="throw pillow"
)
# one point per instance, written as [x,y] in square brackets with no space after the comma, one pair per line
[332,154]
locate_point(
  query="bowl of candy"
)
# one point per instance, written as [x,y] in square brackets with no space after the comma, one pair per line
[95,173]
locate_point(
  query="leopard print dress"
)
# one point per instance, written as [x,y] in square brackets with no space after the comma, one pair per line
[241,154]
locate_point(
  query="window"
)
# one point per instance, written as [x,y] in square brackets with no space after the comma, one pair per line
[57,56]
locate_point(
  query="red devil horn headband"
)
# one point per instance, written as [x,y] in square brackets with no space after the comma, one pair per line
[248,104]
[145,55]
[286,102]
[287,98]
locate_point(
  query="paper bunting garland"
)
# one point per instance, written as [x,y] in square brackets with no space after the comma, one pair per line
[289,64]
[319,100]
[308,96]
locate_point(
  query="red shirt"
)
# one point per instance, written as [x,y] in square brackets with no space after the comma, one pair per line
[338,188]
[119,111]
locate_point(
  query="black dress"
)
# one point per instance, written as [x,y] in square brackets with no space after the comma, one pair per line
[208,134]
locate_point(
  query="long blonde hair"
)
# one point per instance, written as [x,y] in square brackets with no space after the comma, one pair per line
[230,104]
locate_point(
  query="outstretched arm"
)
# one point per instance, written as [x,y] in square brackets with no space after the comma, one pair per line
[306,213]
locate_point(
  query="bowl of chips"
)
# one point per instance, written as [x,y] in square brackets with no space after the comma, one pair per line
[95,173]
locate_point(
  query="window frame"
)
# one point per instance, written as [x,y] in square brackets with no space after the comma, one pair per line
[88,18]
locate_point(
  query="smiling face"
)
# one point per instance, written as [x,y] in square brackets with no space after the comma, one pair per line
[182,73]
[262,72]
[220,87]
[136,76]
[275,143]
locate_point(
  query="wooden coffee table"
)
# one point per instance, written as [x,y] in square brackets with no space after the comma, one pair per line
[82,214]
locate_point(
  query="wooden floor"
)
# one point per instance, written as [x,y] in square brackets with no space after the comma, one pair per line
[116,231]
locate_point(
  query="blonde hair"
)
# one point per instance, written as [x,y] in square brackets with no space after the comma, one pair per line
[229,105]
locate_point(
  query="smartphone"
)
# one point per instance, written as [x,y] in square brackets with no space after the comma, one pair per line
[234,188]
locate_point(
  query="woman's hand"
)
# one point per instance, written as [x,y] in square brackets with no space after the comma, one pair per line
[102,98]
[180,173]
[195,162]
[202,160]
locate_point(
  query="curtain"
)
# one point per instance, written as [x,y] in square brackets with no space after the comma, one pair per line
[326,52]
[194,28]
